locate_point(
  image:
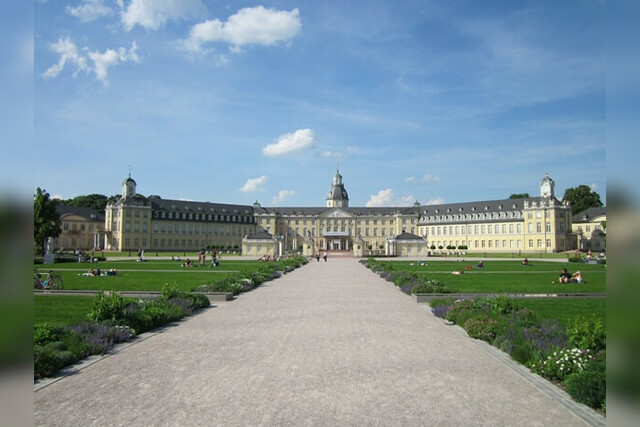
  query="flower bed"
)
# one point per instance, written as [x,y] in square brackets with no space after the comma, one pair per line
[113,319]
[572,356]
[248,279]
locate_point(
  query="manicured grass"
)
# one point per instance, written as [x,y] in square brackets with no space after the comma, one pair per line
[565,309]
[150,275]
[514,255]
[509,276]
[60,309]
[140,280]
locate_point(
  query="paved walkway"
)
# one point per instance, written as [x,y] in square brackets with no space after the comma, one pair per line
[330,344]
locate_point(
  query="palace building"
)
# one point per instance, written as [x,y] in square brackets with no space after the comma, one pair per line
[528,225]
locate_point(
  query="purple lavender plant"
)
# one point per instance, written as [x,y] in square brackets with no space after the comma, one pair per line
[440,311]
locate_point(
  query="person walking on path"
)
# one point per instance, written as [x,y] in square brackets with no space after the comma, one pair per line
[324,256]
[317,256]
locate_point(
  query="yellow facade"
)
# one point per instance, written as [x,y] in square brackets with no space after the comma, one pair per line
[534,224]
[82,229]
[590,231]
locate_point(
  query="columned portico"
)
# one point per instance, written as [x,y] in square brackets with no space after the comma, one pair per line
[337,241]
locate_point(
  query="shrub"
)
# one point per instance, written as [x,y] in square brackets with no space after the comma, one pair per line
[49,359]
[482,327]
[503,305]
[589,386]
[587,333]
[108,307]
[430,287]
[459,307]
[561,363]
[44,333]
[546,335]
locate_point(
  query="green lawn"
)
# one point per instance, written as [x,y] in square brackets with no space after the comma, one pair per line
[565,309]
[150,275]
[508,276]
[60,309]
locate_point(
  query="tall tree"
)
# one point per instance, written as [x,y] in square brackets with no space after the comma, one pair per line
[581,198]
[46,219]
[96,202]
[519,196]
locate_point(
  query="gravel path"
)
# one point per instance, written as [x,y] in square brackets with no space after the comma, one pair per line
[330,344]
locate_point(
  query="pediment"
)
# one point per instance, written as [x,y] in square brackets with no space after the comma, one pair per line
[336,213]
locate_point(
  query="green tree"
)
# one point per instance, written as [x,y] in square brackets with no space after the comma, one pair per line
[46,219]
[96,202]
[519,196]
[582,198]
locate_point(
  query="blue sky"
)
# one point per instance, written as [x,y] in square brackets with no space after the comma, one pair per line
[443,101]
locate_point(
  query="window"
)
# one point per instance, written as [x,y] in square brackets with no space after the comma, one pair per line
[510,228]
[538,214]
[65,226]
[530,227]
[539,243]
[144,227]
[548,227]
[588,228]
[482,230]
[538,227]
[519,228]
[548,243]
[504,228]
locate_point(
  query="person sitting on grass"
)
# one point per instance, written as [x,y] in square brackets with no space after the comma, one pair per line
[565,276]
[479,265]
[525,262]
[187,263]
[576,277]
[458,272]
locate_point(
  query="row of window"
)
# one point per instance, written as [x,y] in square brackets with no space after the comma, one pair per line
[489,229]
[74,226]
[332,223]
[203,217]
[496,244]
[172,243]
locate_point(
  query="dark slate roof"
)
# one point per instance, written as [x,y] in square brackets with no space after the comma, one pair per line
[478,207]
[408,236]
[587,215]
[87,213]
[355,211]
[261,235]
[337,192]
[199,207]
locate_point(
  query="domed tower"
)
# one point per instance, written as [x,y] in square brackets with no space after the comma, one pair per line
[337,196]
[547,187]
[128,187]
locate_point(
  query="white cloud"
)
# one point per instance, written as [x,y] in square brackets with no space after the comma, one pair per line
[430,178]
[302,139]
[436,201]
[153,14]
[111,57]
[410,179]
[68,53]
[249,26]
[328,154]
[254,185]
[282,196]
[386,198]
[90,10]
